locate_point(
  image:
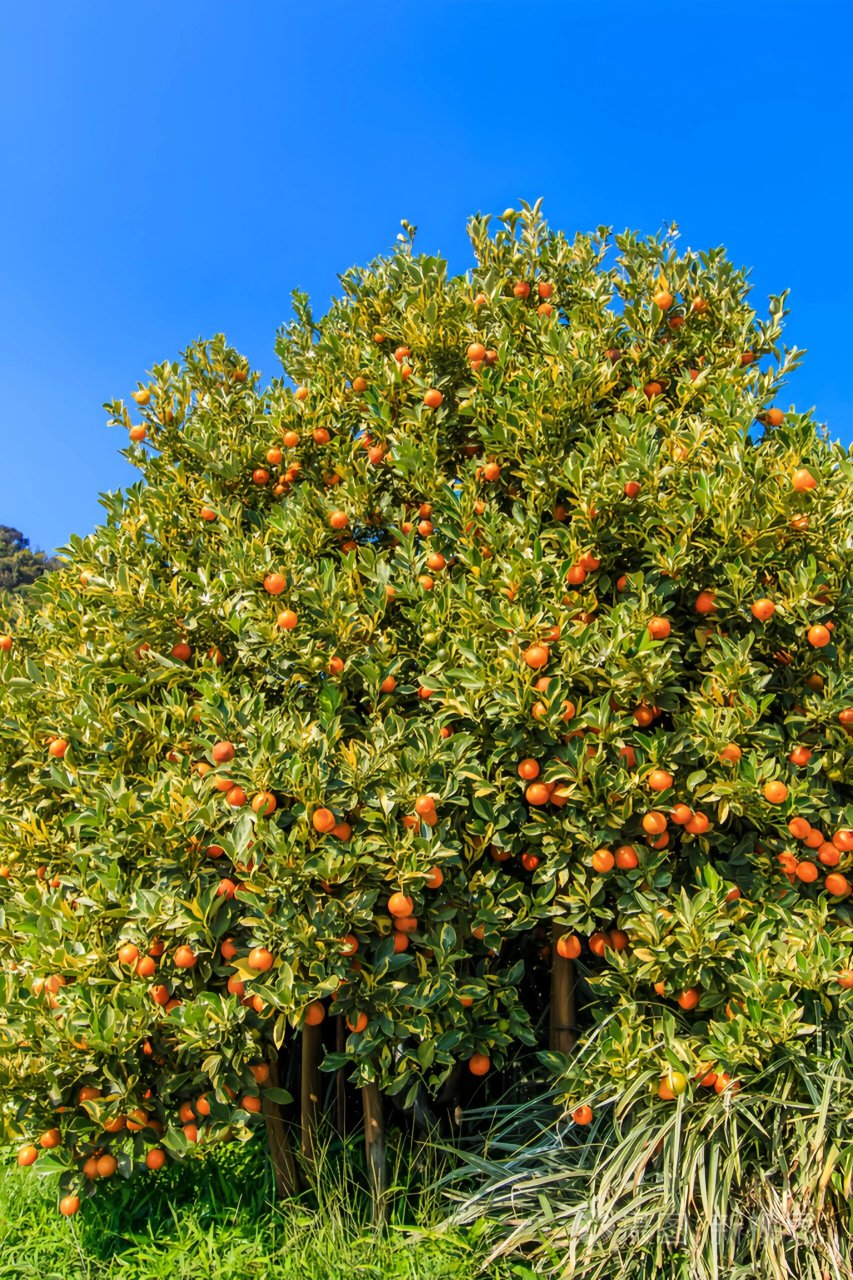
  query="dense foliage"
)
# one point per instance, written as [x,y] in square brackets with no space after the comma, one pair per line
[518,604]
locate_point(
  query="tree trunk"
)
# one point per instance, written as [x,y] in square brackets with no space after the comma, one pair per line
[285,1173]
[563,1028]
[310,1090]
[340,1081]
[374,1148]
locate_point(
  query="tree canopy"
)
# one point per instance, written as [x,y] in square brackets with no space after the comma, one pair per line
[510,627]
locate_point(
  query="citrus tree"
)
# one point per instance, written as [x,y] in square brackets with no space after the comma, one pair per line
[511,626]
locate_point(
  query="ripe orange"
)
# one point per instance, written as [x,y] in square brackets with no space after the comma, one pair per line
[106,1165]
[185,958]
[659,780]
[50,1139]
[155,1158]
[236,797]
[698,824]
[348,944]
[775,792]
[800,756]
[663,299]
[844,978]
[538,793]
[274,584]
[521,289]
[689,999]
[260,959]
[435,878]
[843,839]
[128,953]
[819,637]
[837,885]
[763,609]
[338,519]
[659,628]
[287,620]
[654,823]
[626,857]
[400,905]
[222,752]
[315,1013]
[731,753]
[602,861]
[491,471]
[323,820]
[27,1155]
[479,1064]
[69,1205]
[264,803]
[569,946]
[802,480]
[632,488]
[537,655]
[705,602]
[433,398]
[807,872]
[652,389]
[528,769]
[774,417]
[359,1025]
[582,1115]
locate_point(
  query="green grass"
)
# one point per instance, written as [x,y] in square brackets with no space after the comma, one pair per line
[214,1218]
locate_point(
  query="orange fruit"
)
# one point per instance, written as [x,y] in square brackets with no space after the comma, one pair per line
[582,1115]
[803,480]
[705,602]
[663,299]
[69,1205]
[819,636]
[323,820]
[433,398]
[479,1064]
[731,753]
[222,752]
[359,1025]
[775,792]
[569,946]
[800,756]
[807,872]
[400,905]
[27,1155]
[602,861]
[155,1158]
[626,857]
[260,959]
[659,780]
[698,824]
[844,979]
[689,999]
[236,797]
[659,628]
[528,769]
[315,1013]
[536,656]
[274,584]
[287,620]
[837,885]
[538,793]
[763,609]
[128,953]
[264,803]
[106,1165]
[799,828]
[521,289]
[435,878]
[654,823]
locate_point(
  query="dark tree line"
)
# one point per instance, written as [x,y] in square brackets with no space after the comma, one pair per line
[19,566]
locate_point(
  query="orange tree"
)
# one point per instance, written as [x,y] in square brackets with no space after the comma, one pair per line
[519,606]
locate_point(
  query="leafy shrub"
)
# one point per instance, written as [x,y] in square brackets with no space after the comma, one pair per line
[518,607]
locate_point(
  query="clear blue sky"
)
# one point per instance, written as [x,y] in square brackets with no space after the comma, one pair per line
[173,168]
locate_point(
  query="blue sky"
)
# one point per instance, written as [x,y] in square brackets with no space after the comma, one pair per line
[173,169]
